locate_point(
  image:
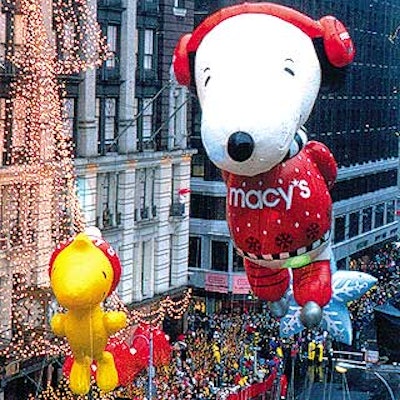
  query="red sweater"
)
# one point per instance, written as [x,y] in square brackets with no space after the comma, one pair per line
[285,209]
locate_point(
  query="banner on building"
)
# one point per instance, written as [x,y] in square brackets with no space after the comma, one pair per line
[216,283]
[240,285]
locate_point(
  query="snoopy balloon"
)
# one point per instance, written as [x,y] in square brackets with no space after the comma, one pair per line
[257,74]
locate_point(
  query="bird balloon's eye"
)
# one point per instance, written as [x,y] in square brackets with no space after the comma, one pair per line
[105,275]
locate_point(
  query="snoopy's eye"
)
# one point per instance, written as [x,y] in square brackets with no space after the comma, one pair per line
[289,71]
[208,76]
[289,68]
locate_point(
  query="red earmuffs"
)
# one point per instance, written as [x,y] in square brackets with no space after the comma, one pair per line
[102,245]
[338,45]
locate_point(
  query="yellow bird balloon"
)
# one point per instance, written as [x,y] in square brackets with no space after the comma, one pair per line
[83,273]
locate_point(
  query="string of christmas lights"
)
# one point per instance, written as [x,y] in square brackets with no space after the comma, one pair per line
[39,201]
[167,306]
[63,392]
[80,42]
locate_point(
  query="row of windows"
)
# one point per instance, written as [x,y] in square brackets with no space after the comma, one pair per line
[207,207]
[108,213]
[106,108]
[144,39]
[354,115]
[106,117]
[354,148]
[369,136]
[222,254]
[363,221]
[213,208]
[365,184]
[142,275]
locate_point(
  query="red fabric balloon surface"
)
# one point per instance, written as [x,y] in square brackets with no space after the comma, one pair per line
[162,348]
[125,361]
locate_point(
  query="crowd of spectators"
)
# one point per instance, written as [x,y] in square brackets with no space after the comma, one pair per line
[227,351]
[219,354]
[383,264]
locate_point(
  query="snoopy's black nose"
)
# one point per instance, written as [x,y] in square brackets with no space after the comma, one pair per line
[240,146]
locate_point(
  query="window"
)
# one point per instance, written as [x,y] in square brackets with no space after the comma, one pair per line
[390,212]
[355,187]
[19,34]
[219,255]
[3,41]
[66,36]
[110,123]
[107,123]
[147,266]
[16,224]
[179,8]
[341,264]
[145,123]
[339,229]
[107,207]
[198,165]
[354,224]
[207,207]
[147,119]
[69,118]
[148,53]
[145,207]
[84,194]
[112,42]
[366,219]
[379,215]
[194,252]
[238,265]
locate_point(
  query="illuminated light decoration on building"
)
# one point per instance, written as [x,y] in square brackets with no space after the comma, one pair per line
[166,307]
[39,202]
[80,42]
[62,392]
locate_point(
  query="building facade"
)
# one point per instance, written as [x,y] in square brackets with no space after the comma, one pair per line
[359,122]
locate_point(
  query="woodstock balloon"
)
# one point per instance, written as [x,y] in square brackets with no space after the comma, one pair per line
[257,69]
[83,273]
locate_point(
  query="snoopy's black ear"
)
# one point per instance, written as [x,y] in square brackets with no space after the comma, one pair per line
[332,78]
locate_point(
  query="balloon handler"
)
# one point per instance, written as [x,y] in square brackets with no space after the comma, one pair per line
[83,273]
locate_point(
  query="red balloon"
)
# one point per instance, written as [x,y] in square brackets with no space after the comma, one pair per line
[66,369]
[162,348]
[125,359]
